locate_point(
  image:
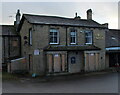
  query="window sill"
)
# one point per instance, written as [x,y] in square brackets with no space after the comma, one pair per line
[88,43]
[54,43]
[73,43]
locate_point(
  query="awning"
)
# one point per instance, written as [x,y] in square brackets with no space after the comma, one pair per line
[113,49]
[71,48]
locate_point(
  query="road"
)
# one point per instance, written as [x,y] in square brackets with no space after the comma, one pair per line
[101,83]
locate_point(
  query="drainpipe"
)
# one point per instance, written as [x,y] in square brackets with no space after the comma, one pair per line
[67,51]
[66,37]
[8,60]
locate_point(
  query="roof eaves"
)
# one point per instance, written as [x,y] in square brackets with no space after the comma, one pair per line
[71,48]
[69,25]
[89,21]
[21,22]
[114,29]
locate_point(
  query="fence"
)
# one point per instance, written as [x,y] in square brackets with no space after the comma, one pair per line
[17,65]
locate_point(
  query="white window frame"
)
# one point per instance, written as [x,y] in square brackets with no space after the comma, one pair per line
[90,37]
[73,36]
[30,37]
[55,30]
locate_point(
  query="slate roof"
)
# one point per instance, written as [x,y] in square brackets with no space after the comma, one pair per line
[69,48]
[54,20]
[7,30]
[112,38]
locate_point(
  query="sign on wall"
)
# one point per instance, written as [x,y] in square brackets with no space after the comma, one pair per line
[98,36]
[73,60]
[36,52]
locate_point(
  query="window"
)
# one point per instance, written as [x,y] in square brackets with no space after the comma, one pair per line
[14,43]
[73,37]
[88,37]
[30,36]
[54,36]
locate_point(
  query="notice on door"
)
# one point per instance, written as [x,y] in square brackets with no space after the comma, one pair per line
[56,55]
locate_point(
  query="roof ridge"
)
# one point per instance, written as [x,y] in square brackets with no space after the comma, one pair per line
[115,29]
[57,20]
[53,16]
[45,16]
[6,25]
[96,22]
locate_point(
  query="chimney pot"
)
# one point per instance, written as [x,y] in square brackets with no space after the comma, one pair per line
[76,14]
[89,14]
[105,25]
[77,17]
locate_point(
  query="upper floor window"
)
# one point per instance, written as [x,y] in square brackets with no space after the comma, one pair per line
[73,37]
[30,36]
[88,37]
[54,36]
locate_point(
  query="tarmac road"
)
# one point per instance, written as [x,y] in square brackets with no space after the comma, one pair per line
[101,83]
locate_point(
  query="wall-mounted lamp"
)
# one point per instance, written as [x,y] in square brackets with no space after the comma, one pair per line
[25,37]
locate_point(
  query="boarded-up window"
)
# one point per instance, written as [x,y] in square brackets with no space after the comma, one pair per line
[50,61]
[87,62]
[63,62]
[97,61]
[14,43]
[92,61]
[56,62]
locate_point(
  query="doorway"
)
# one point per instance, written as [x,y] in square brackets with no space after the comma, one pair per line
[114,59]
[30,67]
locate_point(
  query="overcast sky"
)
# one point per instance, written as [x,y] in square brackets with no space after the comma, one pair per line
[103,12]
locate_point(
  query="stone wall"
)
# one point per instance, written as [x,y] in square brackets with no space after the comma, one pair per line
[40,39]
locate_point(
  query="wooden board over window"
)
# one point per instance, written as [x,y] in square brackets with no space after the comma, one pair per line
[92,61]
[14,43]
[56,62]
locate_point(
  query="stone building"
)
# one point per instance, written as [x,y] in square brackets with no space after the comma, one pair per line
[10,42]
[58,45]
[1,48]
[113,47]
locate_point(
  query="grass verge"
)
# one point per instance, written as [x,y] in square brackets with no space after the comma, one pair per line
[8,76]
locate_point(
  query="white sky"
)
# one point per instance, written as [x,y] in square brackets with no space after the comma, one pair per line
[103,12]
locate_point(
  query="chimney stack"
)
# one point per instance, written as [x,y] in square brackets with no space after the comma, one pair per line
[18,17]
[89,14]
